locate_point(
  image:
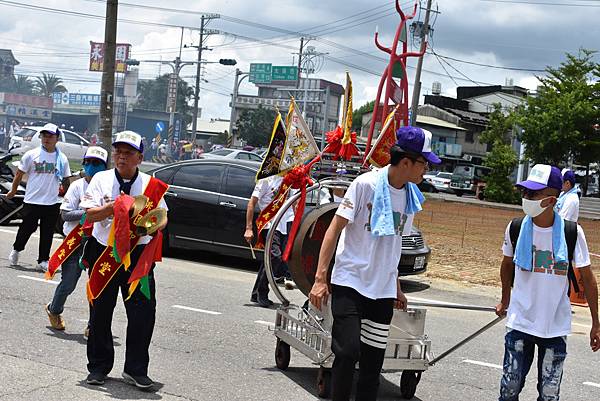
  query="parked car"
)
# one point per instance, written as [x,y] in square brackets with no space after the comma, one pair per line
[470,179]
[207,200]
[71,143]
[234,154]
[430,174]
[442,181]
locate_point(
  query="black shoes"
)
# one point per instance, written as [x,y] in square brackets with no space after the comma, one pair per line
[142,382]
[265,303]
[96,379]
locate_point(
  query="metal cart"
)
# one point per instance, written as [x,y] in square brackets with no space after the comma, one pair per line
[308,330]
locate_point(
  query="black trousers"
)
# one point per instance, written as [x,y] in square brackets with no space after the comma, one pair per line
[141,313]
[261,284]
[359,334]
[46,216]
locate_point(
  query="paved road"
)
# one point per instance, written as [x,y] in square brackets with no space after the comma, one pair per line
[211,344]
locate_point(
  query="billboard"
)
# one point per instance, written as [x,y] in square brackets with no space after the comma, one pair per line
[97,56]
[77,99]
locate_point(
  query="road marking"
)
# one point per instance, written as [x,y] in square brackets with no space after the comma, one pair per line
[587,326]
[209,312]
[591,384]
[487,365]
[263,322]
[595,254]
[43,280]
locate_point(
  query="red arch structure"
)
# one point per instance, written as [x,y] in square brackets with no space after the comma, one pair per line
[394,93]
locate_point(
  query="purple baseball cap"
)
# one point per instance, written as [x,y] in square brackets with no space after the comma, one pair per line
[416,140]
[568,175]
[543,176]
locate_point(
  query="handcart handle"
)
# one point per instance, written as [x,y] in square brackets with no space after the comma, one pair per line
[466,340]
[452,306]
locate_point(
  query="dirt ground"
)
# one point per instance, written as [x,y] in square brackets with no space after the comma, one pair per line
[466,240]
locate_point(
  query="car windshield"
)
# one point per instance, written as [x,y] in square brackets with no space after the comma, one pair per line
[464,171]
[221,152]
[25,132]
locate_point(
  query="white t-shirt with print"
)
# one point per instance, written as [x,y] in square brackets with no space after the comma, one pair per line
[265,190]
[71,202]
[104,188]
[539,304]
[364,262]
[570,208]
[42,183]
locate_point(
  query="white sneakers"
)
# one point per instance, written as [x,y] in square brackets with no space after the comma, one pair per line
[13,258]
[42,266]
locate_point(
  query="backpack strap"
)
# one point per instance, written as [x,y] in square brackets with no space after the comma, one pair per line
[513,233]
[571,238]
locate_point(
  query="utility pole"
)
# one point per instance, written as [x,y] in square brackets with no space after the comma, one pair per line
[300,62]
[236,88]
[108,74]
[417,88]
[197,88]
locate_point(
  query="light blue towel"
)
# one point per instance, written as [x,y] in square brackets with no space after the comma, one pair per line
[524,248]
[61,164]
[563,197]
[382,218]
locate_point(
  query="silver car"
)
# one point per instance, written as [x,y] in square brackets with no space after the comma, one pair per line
[71,143]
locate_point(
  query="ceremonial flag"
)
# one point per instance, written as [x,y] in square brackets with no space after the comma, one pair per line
[300,145]
[379,155]
[270,166]
[347,111]
[342,141]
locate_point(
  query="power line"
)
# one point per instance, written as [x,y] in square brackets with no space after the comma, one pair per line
[543,3]
[488,65]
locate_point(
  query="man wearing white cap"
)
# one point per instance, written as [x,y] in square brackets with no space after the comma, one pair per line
[45,167]
[94,161]
[108,276]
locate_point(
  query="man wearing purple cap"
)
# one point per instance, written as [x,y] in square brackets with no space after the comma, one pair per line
[568,201]
[377,209]
[537,306]
[45,167]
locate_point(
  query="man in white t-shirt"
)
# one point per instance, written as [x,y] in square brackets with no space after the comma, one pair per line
[568,201]
[377,209]
[99,202]
[537,306]
[45,167]
[263,194]
[94,161]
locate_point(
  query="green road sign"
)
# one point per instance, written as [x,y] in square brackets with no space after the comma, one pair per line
[260,73]
[284,73]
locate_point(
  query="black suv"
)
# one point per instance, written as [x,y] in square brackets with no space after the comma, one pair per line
[207,200]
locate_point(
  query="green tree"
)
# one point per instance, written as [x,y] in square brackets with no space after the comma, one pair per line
[502,159]
[48,84]
[153,96]
[559,121]
[255,126]
[358,114]
[24,85]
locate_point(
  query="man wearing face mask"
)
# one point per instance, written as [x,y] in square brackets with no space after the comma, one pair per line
[568,201]
[94,161]
[537,306]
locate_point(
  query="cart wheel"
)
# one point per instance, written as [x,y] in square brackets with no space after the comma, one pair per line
[324,383]
[282,355]
[408,383]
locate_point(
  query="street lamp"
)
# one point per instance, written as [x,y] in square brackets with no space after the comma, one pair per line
[236,86]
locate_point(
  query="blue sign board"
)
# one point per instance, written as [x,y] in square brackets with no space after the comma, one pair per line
[159,127]
[76,99]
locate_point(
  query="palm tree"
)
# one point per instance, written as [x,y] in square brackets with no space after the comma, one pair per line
[47,84]
[24,85]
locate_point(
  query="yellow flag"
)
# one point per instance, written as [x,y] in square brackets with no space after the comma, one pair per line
[347,111]
[300,145]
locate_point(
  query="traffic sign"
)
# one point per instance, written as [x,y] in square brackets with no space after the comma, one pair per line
[159,127]
[284,73]
[260,73]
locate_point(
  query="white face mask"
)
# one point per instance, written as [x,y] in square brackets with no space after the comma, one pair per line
[533,208]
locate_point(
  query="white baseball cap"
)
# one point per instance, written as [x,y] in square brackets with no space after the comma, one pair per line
[50,128]
[130,138]
[96,152]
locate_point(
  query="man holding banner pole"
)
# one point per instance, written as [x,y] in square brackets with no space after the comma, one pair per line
[121,258]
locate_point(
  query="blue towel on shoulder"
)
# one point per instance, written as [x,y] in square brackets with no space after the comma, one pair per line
[61,165]
[382,218]
[523,254]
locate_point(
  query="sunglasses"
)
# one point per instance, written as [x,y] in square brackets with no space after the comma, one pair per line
[424,163]
[531,194]
[93,162]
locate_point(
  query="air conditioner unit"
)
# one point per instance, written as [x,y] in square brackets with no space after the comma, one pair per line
[468,157]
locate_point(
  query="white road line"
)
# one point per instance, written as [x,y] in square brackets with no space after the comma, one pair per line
[209,312]
[587,326]
[263,322]
[591,384]
[43,280]
[487,365]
